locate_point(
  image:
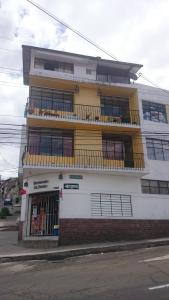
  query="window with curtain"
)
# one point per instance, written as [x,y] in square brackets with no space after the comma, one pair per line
[155,112]
[113,149]
[53,142]
[157,149]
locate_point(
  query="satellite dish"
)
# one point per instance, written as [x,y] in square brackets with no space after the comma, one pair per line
[133,76]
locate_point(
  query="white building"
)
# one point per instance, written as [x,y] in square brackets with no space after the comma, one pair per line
[97,157]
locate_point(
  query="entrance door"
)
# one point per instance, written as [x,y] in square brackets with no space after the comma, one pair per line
[44,213]
[128,154]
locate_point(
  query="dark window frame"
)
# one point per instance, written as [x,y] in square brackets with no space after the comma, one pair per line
[115,106]
[52,99]
[42,147]
[158,187]
[153,111]
[157,149]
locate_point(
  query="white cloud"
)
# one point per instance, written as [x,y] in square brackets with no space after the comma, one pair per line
[135,31]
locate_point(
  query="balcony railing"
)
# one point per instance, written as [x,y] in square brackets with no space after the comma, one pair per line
[85,113]
[85,159]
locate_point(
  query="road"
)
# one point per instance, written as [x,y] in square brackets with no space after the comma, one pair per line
[133,275]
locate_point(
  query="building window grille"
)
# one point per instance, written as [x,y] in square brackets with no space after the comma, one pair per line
[111,205]
[155,187]
[157,149]
[154,112]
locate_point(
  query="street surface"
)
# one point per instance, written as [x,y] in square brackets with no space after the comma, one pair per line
[132,275]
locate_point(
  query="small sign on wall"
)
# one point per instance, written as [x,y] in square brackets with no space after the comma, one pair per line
[71,186]
[74,176]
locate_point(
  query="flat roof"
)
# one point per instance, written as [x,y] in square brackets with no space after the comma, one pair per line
[26,55]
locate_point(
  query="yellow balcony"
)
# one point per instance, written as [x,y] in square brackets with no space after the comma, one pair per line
[86,159]
[84,114]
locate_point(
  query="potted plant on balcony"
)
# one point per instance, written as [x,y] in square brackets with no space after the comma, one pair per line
[74,116]
[87,116]
[57,115]
[126,118]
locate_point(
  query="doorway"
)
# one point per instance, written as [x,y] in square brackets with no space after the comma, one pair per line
[44,213]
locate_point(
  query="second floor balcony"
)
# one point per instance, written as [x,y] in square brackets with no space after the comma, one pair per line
[84,159]
[105,114]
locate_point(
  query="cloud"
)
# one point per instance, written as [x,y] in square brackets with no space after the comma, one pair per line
[135,31]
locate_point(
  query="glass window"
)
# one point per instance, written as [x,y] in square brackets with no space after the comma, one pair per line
[157,149]
[163,186]
[154,112]
[50,142]
[155,187]
[113,149]
[114,106]
[33,143]
[45,145]
[51,99]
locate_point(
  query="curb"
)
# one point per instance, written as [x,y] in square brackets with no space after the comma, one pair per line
[9,228]
[63,254]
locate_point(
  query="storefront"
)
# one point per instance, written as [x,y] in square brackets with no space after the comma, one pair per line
[44,213]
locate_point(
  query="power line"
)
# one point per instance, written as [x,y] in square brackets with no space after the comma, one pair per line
[72,29]
[86,38]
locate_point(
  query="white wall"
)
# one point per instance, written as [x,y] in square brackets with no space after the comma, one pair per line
[77,203]
[79,67]
[158,170]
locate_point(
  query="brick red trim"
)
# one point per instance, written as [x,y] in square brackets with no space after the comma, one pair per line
[76,231]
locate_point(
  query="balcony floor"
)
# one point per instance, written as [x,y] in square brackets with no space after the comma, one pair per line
[53,122]
[29,170]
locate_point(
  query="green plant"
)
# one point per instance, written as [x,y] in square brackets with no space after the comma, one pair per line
[5,211]
[17,200]
[2,216]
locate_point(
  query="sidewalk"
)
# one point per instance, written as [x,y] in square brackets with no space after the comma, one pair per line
[10,223]
[11,250]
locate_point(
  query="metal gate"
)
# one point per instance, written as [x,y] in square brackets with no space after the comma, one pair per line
[44,213]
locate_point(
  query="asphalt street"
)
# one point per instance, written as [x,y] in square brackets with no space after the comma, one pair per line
[132,275]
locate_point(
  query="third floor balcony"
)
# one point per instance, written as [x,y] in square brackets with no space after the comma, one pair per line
[112,111]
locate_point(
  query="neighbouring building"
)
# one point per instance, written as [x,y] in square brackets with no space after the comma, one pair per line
[96,159]
[9,188]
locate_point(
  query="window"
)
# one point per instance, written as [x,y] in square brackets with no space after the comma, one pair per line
[111,205]
[115,107]
[113,149]
[155,187]
[154,112]
[51,99]
[157,149]
[53,142]
[117,147]
[53,65]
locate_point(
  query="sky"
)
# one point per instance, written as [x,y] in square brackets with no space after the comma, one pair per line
[133,31]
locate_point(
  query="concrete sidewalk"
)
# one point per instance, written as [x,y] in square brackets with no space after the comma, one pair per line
[11,250]
[10,223]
